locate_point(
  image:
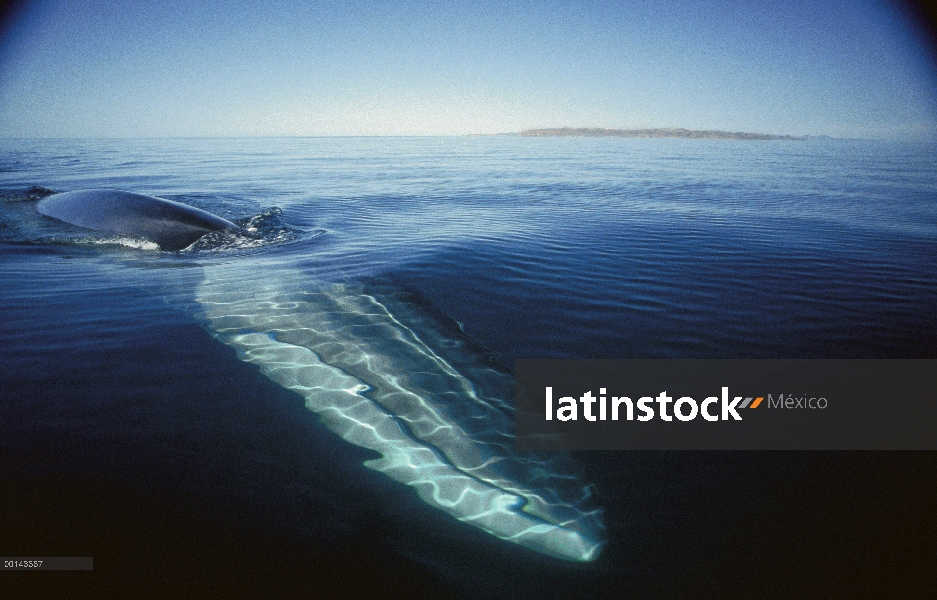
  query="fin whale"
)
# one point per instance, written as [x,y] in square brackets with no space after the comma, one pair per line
[378,383]
[171,225]
[372,380]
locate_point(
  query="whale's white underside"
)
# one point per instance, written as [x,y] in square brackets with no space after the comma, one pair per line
[374,382]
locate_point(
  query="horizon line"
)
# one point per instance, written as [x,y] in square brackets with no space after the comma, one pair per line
[408,135]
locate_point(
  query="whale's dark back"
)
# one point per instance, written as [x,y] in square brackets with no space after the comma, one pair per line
[169,224]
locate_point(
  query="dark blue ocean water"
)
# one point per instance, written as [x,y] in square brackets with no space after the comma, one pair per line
[487,249]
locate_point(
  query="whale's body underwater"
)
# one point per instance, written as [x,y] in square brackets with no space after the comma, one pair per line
[372,380]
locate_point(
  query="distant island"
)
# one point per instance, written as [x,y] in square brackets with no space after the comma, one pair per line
[652,133]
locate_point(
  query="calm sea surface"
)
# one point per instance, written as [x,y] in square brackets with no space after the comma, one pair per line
[115,394]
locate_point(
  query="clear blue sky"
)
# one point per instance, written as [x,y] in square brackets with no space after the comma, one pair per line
[78,68]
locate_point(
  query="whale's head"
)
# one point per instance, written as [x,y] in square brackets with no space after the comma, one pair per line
[170,225]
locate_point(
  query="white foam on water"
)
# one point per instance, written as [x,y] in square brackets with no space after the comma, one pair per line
[129,242]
